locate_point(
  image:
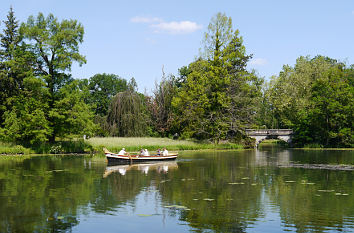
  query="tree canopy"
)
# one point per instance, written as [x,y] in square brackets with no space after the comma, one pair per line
[215,97]
[217,90]
[315,98]
[42,100]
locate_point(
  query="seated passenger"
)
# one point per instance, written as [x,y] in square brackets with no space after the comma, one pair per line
[122,152]
[165,152]
[145,152]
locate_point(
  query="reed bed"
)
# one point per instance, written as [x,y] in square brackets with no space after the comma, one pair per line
[132,144]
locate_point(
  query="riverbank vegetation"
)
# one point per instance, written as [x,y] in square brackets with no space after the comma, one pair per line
[208,104]
[152,144]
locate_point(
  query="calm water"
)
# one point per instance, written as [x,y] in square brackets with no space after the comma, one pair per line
[234,191]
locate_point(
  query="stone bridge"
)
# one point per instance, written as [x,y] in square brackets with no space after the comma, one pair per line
[262,134]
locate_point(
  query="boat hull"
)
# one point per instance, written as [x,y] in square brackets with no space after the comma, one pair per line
[118,159]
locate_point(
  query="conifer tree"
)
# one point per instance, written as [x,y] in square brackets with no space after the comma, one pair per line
[11,72]
[11,38]
[217,96]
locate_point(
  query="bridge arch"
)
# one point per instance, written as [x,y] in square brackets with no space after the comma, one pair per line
[262,134]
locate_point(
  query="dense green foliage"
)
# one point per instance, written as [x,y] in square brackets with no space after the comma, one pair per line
[102,88]
[218,96]
[126,115]
[316,99]
[214,98]
[160,106]
[41,101]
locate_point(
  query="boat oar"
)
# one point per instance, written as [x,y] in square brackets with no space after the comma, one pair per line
[131,160]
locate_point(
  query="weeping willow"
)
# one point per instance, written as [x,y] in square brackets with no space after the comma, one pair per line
[127,115]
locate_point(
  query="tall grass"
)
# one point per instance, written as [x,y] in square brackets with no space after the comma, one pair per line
[113,144]
[10,149]
[152,144]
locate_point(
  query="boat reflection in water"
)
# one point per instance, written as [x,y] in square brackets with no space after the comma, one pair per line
[160,167]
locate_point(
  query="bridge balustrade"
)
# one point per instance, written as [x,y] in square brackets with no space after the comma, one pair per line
[262,134]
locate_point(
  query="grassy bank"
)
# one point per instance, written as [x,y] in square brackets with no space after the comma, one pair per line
[115,144]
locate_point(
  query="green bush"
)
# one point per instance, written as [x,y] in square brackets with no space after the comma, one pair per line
[13,149]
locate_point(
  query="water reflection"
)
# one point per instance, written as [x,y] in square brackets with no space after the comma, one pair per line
[160,167]
[234,191]
[269,158]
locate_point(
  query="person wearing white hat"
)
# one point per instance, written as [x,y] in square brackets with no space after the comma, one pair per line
[122,152]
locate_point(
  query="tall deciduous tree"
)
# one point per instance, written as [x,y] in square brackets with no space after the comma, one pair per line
[56,46]
[102,88]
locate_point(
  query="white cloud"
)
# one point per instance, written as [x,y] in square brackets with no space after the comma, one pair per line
[160,26]
[258,62]
[138,19]
[182,27]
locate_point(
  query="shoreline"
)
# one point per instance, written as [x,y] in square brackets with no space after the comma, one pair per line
[101,153]
[115,144]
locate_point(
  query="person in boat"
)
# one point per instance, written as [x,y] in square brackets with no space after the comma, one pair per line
[122,152]
[158,151]
[165,152]
[141,151]
[146,152]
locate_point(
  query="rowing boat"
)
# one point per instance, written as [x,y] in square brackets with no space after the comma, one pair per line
[136,158]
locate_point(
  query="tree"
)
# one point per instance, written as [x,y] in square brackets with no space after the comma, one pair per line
[331,112]
[244,89]
[215,99]
[127,115]
[56,46]
[26,123]
[72,117]
[315,98]
[12,63]
[218,36]
[102,88]
[11,37]
[161,105]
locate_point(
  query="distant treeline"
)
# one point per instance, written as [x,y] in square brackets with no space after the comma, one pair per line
[213,98]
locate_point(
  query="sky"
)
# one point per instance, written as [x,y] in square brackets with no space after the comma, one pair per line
[141,38]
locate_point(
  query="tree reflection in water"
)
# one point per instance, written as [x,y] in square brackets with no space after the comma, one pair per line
[203,191]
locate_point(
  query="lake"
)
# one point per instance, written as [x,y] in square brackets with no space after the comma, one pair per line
[265,190]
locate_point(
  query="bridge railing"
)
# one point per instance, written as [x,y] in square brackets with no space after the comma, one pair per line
[261,132]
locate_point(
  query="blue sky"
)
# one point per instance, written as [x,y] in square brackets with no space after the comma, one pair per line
[137,38]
